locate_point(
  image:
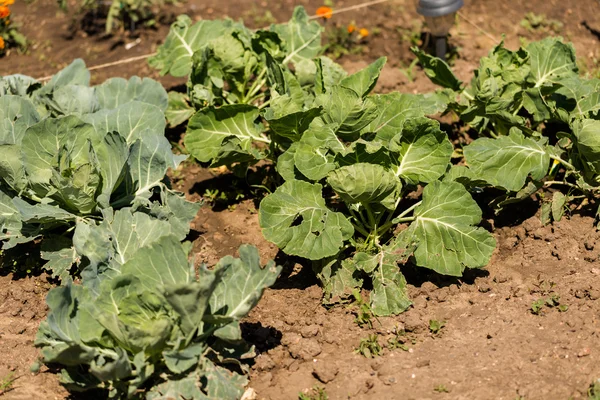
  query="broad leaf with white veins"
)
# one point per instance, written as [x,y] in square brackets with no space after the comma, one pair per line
[444,230]
[296,219]
[507,161]
[210,127]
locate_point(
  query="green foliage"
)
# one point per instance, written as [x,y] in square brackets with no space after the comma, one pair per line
[364,314]
[534,107]
[316,393]
[121,14]
[369,347]
[436,326]
[552,301]
[77,158]
[540,23]
[6,383]
[154,326]
[594,390]
[10,36]
[441,388]
[346,160]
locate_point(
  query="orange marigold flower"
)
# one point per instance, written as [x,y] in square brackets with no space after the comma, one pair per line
[351,28]
[4,12]
[325,12]
[1,42]
[7,2]
[363,32]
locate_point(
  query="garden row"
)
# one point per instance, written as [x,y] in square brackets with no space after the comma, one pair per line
[361,184]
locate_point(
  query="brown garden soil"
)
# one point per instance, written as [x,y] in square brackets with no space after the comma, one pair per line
[491,347]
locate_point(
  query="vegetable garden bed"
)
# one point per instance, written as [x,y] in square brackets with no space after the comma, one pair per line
[525,326]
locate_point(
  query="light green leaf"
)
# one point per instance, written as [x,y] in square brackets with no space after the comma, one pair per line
[162,262]
[437,70]
[184,39]
[179,109]
[242,283]
[133,120]
[588,142]
[115,92]
[363,81]
[394,109]
[296,219]
[118,236]
[329,74]
[347,111]
[16,115]
[507,161]
[551,61]
[60,254]
[59,333]
[10,219]
[338,278]
[301,37]
[148,162]
[363,183]
[444,232]
[313,163]
[559,201]
[424,149]
[210,127]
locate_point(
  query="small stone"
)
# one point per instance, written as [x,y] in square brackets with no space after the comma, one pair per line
[325,372]
[584,352]
[294,366]
[309,331]
[305,350]
[422,363]
[484,287]
[413,323]
[594,294]
[264,363]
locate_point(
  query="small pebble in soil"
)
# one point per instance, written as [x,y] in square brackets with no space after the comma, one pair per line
[325,372]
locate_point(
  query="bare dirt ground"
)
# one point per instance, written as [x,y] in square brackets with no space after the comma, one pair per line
[491,346]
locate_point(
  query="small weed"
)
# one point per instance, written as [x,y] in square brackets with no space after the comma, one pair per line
[441,389]
[540,23]
[412,35]
[363,311]
[551,301]
[6,383]
[594,390]
[398,341]
[409,71]
[316,393]
[436,326]
[369,347]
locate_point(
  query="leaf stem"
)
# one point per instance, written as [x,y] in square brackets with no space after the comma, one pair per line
[370,215]
[360,229]
[550,183]
[409,209]
[467,95]
[405,219]
[563,162]
[256,85]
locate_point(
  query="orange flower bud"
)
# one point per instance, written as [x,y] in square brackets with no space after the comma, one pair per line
[351,28]
[1,42]
[4,12]
[325,12]
[363,32]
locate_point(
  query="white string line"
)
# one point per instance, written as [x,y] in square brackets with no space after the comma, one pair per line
[338,11]
[461,15]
